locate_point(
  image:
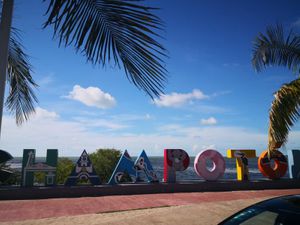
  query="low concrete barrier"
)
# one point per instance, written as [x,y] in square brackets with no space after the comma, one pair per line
[18,193]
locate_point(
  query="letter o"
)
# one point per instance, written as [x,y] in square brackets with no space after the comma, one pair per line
[218,165]
[264,164]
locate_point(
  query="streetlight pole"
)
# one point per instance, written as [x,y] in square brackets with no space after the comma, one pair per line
[5,27]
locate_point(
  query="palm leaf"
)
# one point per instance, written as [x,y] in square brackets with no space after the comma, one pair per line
[118,31]
[274,49]
[284,113]
[21,98]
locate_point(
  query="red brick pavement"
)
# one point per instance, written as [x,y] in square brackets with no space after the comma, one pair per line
[17,210]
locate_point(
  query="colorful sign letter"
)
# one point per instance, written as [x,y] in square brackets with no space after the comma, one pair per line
[294,163]
[241,156]
[83,170]
[218,164]
[265,167]
[174,160]
[29,167]
[125,164]
[143,163]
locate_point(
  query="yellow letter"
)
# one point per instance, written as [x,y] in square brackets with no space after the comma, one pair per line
[241,156]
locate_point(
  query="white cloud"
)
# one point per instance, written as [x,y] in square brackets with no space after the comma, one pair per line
[169,127]
[131,117]
[99,123]
[41,114]
[221,138]
[92,96]
[179,99]
[71,137]
[221,93]
[46,80]
[209,121]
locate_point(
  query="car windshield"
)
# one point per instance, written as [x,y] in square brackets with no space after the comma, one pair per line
[263,216]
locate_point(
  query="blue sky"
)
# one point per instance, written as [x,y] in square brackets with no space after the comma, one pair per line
[213,97]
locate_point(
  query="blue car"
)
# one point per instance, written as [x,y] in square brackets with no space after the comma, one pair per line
[280,211]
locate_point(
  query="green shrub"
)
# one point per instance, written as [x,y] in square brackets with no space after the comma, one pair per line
[63,170]
[39,178]
[104,162]
[15,177]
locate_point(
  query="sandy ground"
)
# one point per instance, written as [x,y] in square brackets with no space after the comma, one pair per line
[203,213]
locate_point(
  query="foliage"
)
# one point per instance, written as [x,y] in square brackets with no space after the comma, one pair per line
[39,178]
[113,30]
[103,30]
[274,49]
[104,161]
[126,178]
[21,98]
[284,112]
[63,170]
[15,177]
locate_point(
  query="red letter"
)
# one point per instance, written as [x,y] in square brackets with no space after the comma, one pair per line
[174,160]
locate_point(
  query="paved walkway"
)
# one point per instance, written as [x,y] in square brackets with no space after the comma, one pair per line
[33,210]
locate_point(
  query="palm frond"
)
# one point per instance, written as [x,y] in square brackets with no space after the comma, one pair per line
[20,101]
[118,31]
[274,49]
[284,113]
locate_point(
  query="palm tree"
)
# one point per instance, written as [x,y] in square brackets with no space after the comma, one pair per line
[21,98]
[122,32]
[276,48]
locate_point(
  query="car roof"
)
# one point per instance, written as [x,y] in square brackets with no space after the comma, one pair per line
[289,203]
